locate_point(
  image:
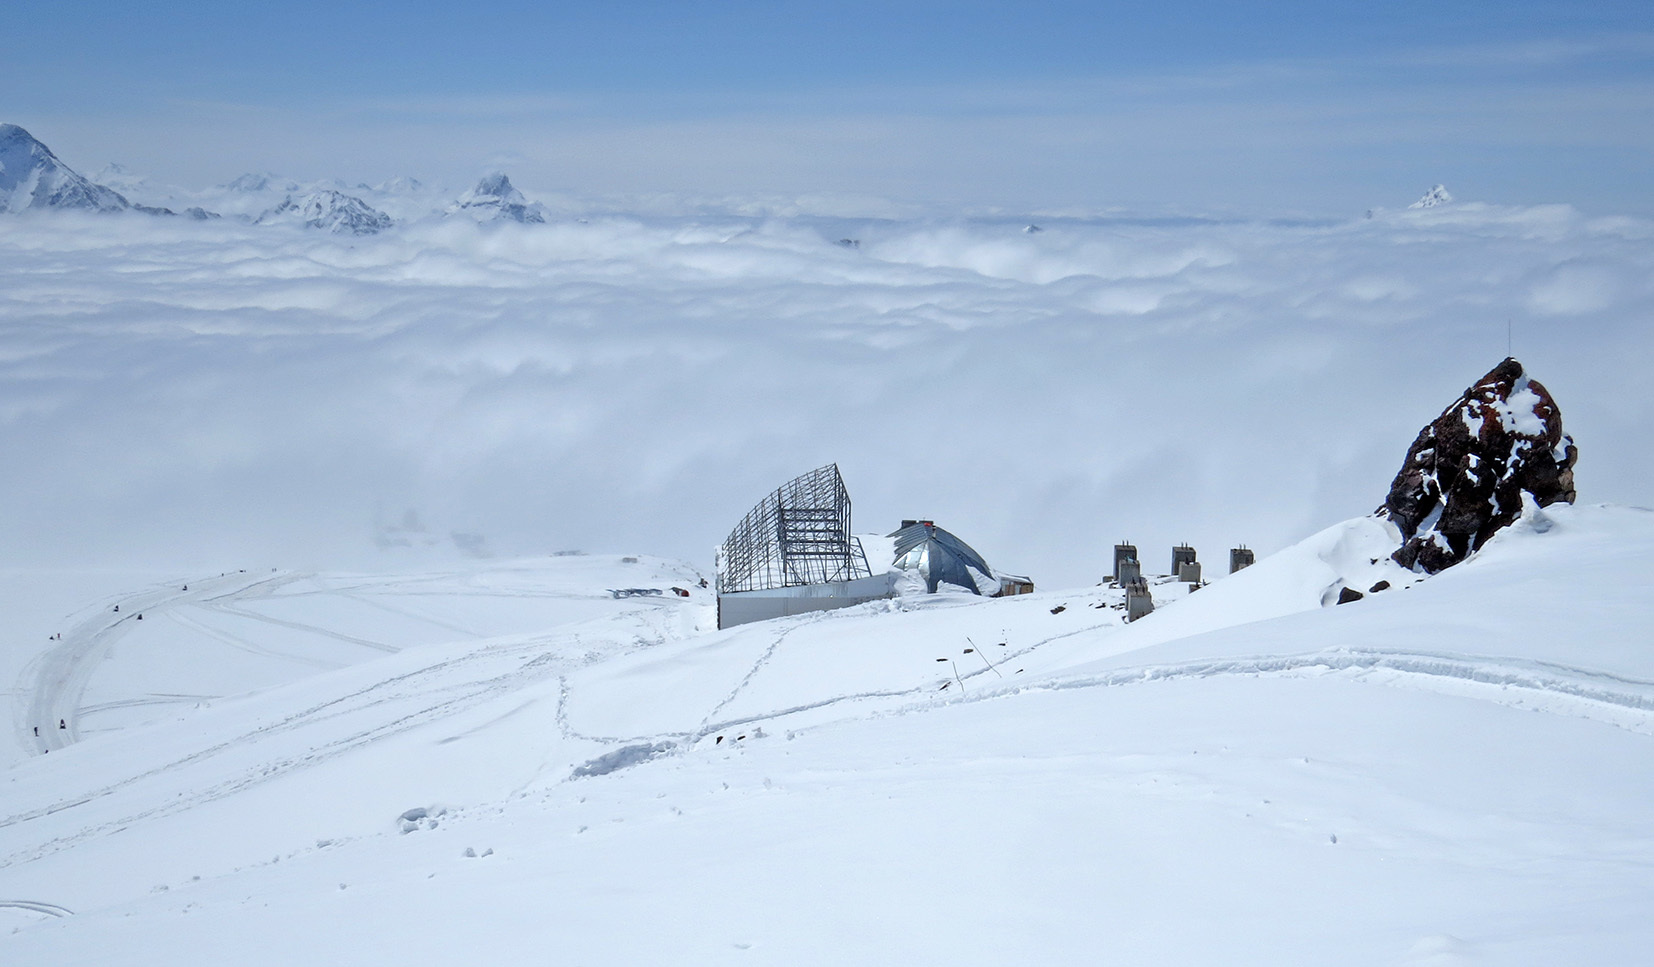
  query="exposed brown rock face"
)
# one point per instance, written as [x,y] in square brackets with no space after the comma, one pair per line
[1465,474]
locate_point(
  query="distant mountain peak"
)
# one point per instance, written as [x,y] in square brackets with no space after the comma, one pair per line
[496,199]
[115,170]
[401,184]
[1437,195]
[255,181]
[32,177]
[331,211]
[497,185]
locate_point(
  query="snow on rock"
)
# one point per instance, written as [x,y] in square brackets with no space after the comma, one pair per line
[332,211]
[496,199]
[1437,195]
[32,177]
[1465,475]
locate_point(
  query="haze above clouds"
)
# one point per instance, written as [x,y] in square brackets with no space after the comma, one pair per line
[1323,109]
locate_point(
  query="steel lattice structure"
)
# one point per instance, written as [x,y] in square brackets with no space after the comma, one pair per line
[798,535]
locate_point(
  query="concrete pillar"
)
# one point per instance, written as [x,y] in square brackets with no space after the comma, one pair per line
[1139,601]
[1127,571]
[1181,554]
[1240,557]
[1123,552]
[1189,572]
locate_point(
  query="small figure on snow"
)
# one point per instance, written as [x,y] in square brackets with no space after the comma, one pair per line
[62,724]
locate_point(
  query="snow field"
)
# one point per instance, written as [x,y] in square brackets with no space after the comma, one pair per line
[1451,773]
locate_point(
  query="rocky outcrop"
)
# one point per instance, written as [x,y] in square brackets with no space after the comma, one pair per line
[1465,475]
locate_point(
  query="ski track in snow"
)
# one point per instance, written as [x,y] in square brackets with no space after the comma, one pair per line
[444,688]
[58,677]
[752,672]
[434,691]
[301,626]
[36,906]
[374,602]
[473,693]
[1516,682]
[242,644]
[709,727]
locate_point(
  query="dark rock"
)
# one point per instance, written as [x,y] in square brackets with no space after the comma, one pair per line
[1380,586]
[1346,595]
[1464,476]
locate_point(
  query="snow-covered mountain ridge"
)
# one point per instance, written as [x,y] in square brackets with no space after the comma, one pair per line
[32,178]
[255,195]
[330,211]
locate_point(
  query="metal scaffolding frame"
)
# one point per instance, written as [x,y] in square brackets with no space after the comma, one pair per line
[796,536]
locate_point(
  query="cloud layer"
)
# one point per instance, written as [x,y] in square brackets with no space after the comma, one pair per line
[228,395]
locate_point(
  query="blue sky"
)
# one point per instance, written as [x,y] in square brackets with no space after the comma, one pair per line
[1256,106]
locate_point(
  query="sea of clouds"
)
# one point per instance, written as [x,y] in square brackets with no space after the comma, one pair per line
[215,395]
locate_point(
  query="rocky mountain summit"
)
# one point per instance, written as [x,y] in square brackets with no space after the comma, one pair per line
[496,199]
[32,177]
[330,211]
[1465,475]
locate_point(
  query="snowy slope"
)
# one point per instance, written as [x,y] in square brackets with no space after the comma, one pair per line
[166,649]
[1457,772]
